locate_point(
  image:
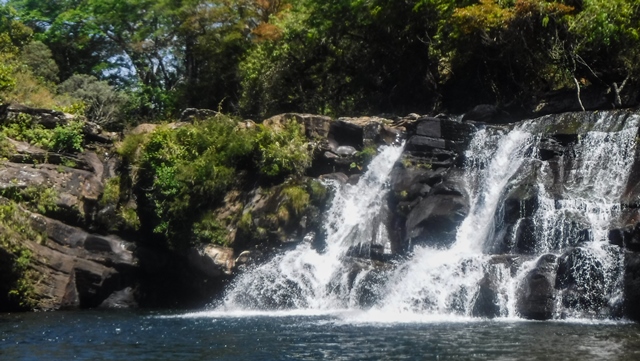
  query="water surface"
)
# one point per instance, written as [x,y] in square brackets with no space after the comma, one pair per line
[298,336]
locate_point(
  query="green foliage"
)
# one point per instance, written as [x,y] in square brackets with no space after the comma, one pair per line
[39,199]
[130,218]
[7,81]
[193,164]
[102,103]
[6,148]
[340,58]
[128,149]
[296,198]
[67,138]
[16,227]
[74,108]
[186,171]
[262,57]
[38,57]
[283,151]
[13,33]
[245,224]
[366,154]
[111,192]
[209,230]
[608,22]
[63,138]
[318,190]
[24,128]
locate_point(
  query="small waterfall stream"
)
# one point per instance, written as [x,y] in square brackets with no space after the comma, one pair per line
[560,234]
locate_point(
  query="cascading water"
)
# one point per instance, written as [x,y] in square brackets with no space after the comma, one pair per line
[561,229]
[306,278]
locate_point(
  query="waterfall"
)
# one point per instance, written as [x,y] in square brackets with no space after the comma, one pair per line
[535,224]
[308,278]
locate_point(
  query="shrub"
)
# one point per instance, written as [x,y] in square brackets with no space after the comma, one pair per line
[6,147]
[296,198]
[67,138]
[16,226]
[185,172]
[25,129]
[130,218]
[64,138]
[366,155]
[283,151]
[128,149]
[318,190]
[7,80]
[111,192]
[209,230]
[103,103]
[40,199]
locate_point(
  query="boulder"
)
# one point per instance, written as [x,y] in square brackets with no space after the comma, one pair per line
[628,236]
[549,148]
[46,117]
[339,177]
[78,191]
[525,240]
[346,151]
[363,131]
[248,258]
[211,260]
[74,278]
[593,97]
[193,114]
[536,295]
[94,133]
[315,126]
[425,144]
[344,132]
[26,153]
[435,219]
[409,183]
[487,300]
[124,298]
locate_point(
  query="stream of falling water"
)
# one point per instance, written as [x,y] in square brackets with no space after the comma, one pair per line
[445,282]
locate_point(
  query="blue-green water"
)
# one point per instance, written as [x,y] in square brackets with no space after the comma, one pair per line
[218,336]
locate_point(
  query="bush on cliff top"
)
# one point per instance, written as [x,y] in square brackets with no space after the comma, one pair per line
[185,172]
[63,138]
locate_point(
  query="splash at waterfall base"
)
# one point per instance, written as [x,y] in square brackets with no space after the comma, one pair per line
[537,219]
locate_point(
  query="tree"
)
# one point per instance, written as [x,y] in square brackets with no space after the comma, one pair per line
[344,57]
[104,105]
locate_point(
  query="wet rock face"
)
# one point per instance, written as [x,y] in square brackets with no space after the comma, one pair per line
[536,295]
[487,300]
[76,269]
[631,286]
[627,237]
[435,219]
[582,279]
[429,198]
